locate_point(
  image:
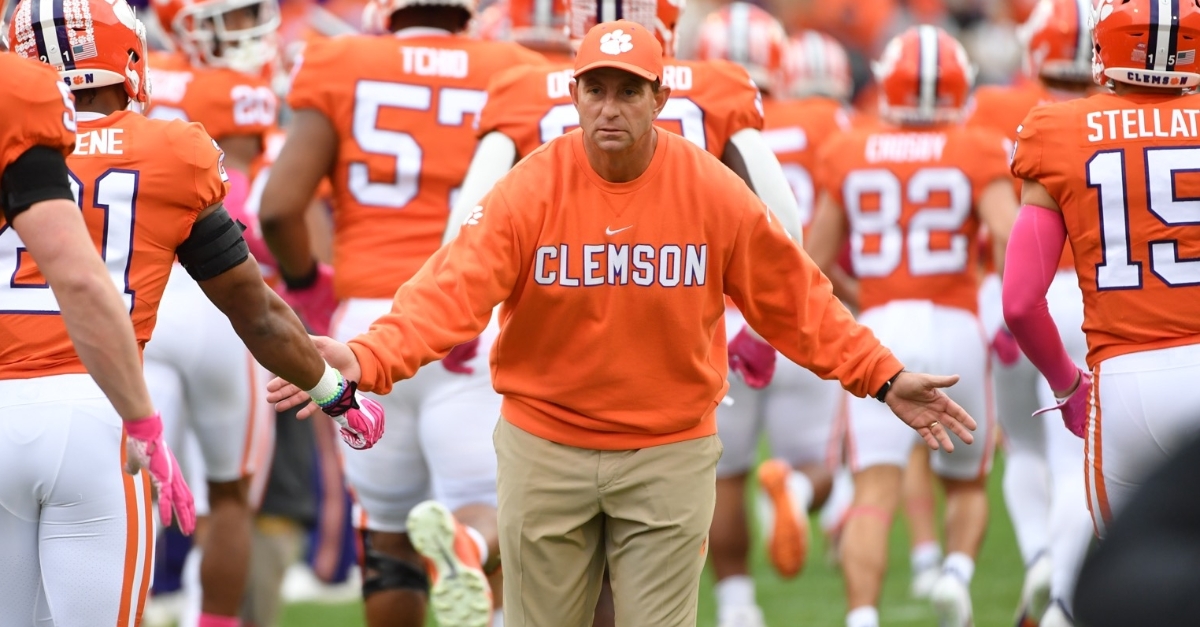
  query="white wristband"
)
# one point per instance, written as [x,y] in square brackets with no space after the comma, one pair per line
[328,388]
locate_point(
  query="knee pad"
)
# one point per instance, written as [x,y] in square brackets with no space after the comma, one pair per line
[383,572]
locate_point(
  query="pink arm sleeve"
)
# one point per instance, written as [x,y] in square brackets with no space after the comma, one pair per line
[1029,265]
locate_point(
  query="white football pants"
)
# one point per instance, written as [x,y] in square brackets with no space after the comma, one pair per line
[439,434]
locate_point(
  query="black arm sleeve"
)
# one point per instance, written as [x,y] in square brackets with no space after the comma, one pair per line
[39,174]
[215,246]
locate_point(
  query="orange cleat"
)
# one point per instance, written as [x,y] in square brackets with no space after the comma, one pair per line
[788,541]
[460,594]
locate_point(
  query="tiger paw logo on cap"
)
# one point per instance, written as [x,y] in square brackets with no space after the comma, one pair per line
[616,42]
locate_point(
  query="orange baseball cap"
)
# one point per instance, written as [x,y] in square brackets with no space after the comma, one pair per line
[623,45]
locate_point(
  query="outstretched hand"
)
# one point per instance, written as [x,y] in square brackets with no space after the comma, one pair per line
[916,399]
[286,396]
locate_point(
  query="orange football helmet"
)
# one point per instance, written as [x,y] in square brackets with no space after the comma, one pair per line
[377,13]
[1150,43]
[92,43]
[749,36]
[536,24]
[237,34]
[817,65]
[924,77]
[659,16]
[1058,40]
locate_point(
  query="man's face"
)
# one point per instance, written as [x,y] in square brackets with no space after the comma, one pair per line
[616,108]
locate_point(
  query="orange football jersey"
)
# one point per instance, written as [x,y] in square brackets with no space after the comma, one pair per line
[224,101]
[403,108]
[141,183]
[1002,109]
[710,101]
[909,196]
[37,109]
[1124,172]
[795,131]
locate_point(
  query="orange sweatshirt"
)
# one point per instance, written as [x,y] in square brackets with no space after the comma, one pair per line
[611,330]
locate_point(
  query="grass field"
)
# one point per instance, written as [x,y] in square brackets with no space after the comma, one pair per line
[816,598]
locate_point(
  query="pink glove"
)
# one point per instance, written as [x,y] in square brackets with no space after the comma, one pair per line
[1074,407]
[145,443]
[315,302]
[752,358]
[1005,347]
[456,360]
[360,418]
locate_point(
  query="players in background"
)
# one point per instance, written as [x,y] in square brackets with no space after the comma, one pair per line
[217,77]
[389,120]
[539,25]
[910,195]
[713,104]
[1115,173]
[65,470]
[1042,484]
[150,190]
[797,409]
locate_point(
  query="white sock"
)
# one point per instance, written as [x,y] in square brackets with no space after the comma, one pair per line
[735,591]
[479,542]
[800,488]
[925,555]
[961,565]
[865,616]
[498,618]
[840,498]
[193,594]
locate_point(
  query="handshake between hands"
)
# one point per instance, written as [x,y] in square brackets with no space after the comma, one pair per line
[360,419]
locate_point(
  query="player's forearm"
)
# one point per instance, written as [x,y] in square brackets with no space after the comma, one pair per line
[99,326]
[493,158]
[1033,254]
[288,241]
[265,324]
[279,342]
[766,177]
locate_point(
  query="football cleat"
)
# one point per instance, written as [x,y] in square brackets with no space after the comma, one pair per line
[1056,616]
[748,616]
[1035,591]
[787,542]
[923,581]
[952,601]
[460,594]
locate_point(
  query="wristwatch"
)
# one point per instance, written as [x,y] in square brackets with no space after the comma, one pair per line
[881,395]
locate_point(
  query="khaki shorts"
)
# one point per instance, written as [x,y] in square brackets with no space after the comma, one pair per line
[564,510]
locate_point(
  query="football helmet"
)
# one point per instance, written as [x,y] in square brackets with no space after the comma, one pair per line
[1058,40]
[92,43]
[377,13]
[1150,43]
[817,65]
[536,24]
[749,36]
[659,16]
[924,77]
[237,34]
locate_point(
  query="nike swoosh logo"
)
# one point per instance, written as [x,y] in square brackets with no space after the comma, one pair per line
[614,232]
